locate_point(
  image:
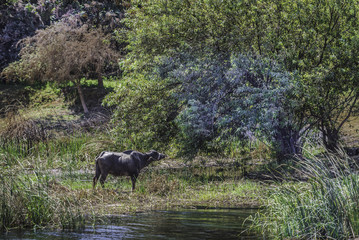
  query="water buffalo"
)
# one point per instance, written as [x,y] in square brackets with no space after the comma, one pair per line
[128,163]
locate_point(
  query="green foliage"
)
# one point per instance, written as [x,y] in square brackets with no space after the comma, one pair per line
[317,39]
[158,28]
[217,100]
[312,38]
[245,98]
[144,112]
[44,96]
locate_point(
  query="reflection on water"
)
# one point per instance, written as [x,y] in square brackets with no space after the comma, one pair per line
[185,224]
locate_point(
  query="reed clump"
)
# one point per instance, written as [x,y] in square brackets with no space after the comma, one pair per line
[324,207]
[28,201]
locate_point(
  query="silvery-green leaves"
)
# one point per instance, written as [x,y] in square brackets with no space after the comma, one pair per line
[224,97]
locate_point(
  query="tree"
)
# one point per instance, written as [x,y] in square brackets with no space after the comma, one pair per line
[166,29]
[144,111]
[163,28]
[319,40]
[21,18]
[62,53]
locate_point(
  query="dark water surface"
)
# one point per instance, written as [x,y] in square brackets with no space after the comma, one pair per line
[184,224]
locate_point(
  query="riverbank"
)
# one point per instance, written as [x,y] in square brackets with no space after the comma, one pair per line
[160,188]
[183,224]
[64,198]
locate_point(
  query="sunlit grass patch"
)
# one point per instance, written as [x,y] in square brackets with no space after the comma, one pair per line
[75,184]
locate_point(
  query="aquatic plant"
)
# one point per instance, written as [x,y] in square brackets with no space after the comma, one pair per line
[324,207]
[27,201]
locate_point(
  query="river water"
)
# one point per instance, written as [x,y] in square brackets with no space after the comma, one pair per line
[184,224]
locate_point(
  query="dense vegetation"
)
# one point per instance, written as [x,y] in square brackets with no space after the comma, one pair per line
[310,41]
[210,71]
[245,80]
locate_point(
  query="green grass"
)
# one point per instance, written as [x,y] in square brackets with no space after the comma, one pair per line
[63,194]
[28,200]
[325,207]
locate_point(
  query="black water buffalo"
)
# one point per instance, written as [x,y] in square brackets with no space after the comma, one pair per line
[128,163]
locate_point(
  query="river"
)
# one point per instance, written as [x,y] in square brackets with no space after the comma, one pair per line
[185,224]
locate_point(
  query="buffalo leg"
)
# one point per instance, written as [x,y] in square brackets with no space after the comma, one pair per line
[95,181]
[133,179]
[97,174]
[103,179]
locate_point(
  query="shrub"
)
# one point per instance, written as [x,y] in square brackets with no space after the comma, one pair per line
[242,97]
[144,110]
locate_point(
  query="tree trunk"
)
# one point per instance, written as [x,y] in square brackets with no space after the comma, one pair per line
[82,99]
[287,144]
[100,81]
[331,139]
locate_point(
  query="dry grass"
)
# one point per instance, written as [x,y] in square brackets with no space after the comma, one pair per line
[22,131]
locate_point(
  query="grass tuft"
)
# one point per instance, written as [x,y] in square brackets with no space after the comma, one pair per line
[28,201]
[324,207]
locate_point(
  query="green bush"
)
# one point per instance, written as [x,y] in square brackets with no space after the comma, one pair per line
[144,113]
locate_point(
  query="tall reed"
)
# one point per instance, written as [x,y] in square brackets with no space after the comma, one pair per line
[28,201]
[324,207]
